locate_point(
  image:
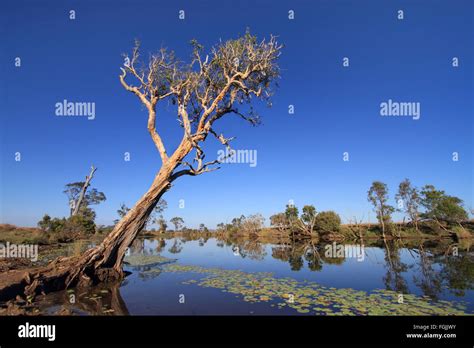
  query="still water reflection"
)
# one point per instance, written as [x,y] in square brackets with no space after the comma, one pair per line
[434,272]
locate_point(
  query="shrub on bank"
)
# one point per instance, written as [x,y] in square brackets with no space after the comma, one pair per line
[327,222]
[65,230]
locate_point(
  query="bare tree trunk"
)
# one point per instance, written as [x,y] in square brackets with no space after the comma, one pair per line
[213,102]
[78,203]
[416,223]
[382,223]
[103,262]
[114,246]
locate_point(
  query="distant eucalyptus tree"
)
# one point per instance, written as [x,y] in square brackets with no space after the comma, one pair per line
[410,198]
[177,222]
[378,196]
[81,197]
[442,207]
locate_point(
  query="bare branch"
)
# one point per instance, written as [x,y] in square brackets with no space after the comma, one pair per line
[133,89]
[155,136]
[210,87]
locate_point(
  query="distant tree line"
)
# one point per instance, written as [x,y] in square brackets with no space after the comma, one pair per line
[244,225]
[425,207]
[427,204]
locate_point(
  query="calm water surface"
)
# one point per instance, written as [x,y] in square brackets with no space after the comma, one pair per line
[436,271]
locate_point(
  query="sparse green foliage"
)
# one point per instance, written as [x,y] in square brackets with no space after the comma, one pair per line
[78,225]
[48,224]
[291,213]
[441,207]
[410,198]
[45,223]
[307,220]
[160,206]
[122,211]
[203,228]
[378,196]
[156,217]
[162,225]
[91,197]
[237,222]
[279,221]
[65,230]
[450,210]
[252,224]
[177,222]
[327,222]
[309,213]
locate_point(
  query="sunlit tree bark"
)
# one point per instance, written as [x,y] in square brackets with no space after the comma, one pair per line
[222,83]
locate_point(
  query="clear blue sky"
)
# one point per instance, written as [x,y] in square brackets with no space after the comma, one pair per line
[299,156]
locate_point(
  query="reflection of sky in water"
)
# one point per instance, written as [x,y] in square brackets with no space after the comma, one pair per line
[159,295]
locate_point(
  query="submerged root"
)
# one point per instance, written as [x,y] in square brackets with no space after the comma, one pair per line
[62,273]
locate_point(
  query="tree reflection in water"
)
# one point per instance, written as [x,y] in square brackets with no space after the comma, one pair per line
[251,248]
[177,247]
[393,278]
[433,267]
[100,300]
[436,266]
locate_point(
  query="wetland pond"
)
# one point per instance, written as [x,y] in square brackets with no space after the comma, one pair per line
[214,277]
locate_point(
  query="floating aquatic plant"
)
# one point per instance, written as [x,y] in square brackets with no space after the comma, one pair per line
[141,260]
[311,298]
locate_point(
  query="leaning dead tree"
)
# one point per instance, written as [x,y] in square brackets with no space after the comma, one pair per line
[76,204]
[223,83]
